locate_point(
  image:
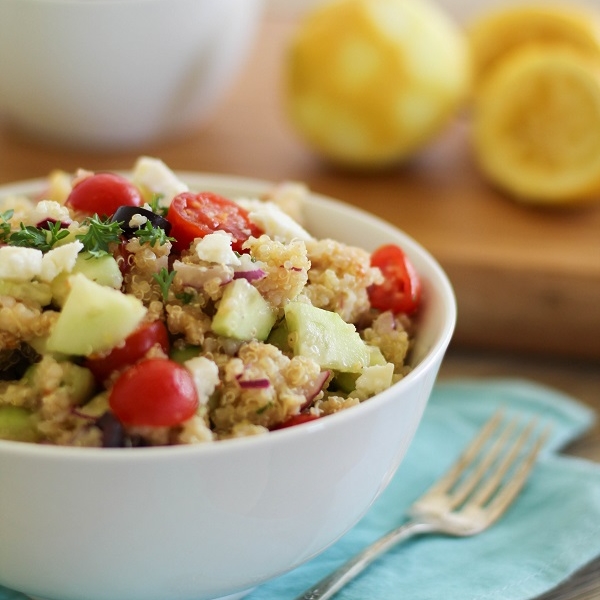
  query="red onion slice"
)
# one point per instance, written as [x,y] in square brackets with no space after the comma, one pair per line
[253,275]
[49,222]
[316,388]
[254,384]
[78,413]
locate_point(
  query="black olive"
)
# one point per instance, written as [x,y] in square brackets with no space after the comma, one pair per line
[15,361]
[124,214]
[113,432]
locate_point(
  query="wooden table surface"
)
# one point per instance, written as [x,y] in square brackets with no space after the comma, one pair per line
[434,198]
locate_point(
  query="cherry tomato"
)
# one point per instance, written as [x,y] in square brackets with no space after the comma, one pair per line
[196,215]
[296,420]
[401,290]
[156,392]
[102,194]
[133,349]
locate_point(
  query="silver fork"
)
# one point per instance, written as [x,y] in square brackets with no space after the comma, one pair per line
[470,497]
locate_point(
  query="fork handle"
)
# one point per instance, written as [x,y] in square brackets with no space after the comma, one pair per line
[333,583]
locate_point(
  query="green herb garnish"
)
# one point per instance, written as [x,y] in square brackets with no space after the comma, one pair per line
[38,237]
[100,233]
[156,207]
[239,255]
[185,297]
[5,217]
[148,234]
[164,280]
[264,407]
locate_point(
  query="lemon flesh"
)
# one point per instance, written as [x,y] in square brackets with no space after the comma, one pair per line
[367,82]
[498,33]
[536,125]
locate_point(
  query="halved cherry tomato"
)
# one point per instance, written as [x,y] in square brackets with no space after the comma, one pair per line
[102,194]
[296,420]
[133,349]
[401,290]
[196,215]
[156,392]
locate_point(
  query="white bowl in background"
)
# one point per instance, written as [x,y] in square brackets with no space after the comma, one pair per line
[116,74]
[215,520]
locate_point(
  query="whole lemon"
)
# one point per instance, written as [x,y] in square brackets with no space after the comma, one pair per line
[369,82]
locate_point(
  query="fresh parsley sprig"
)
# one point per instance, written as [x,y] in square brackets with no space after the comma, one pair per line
[5,228]
[99,235]
[148,234]
[164,280]
[156,207]
[185,297]
[38,237]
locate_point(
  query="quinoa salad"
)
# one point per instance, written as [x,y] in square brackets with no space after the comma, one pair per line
[135,311]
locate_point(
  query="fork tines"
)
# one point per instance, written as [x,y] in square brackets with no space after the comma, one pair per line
[493,468]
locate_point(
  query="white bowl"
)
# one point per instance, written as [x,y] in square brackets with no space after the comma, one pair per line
[113,74]
[213,521]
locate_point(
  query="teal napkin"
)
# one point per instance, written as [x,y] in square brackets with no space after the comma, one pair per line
[552,530]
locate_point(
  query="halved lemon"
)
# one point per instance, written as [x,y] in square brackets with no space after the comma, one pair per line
[497,33]
[536,125]
[367,82]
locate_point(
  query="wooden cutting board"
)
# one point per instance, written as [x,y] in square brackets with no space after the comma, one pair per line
[526,280]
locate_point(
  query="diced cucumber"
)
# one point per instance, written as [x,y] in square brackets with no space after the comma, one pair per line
[94,318]
[33,291]
[279,337]
[376,356]
[101,269]
[79,381]
[243,313]
[96,407]
[326,338]
[180,355]
[374,379]
[17,424]
[346,382]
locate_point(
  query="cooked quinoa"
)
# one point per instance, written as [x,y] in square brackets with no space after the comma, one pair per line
[244,385]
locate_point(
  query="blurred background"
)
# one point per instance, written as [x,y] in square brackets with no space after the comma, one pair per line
[460,9]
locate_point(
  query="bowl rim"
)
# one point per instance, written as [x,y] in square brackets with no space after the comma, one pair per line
[250,187]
